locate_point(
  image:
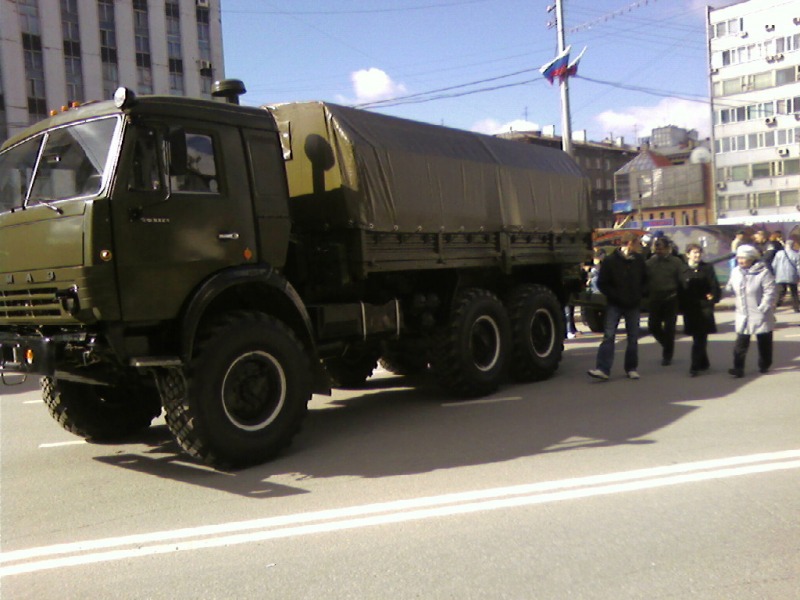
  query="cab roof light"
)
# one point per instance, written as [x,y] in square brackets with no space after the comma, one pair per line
[124,97]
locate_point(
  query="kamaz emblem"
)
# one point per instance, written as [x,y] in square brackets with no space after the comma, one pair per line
[154,219]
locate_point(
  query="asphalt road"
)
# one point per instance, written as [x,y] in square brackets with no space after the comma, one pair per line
[666,487]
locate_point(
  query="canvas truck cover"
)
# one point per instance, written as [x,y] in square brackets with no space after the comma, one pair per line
[349,168]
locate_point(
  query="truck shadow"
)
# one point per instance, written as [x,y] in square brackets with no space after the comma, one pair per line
[389,428]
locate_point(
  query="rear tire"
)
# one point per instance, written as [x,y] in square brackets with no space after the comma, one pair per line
[470,353]
[537,323]
[245,394]
[101,413]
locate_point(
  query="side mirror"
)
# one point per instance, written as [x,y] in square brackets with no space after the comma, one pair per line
[176,140]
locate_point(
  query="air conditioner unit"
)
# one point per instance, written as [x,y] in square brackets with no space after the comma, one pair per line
[743,34]
[714,71]
[204,65]
[769,27]
[796,20]
[797,116]
[753,211]
[783,151]
[779,57]
[771,58]
[770,120]
[721,185]
[202,3]
[748,182]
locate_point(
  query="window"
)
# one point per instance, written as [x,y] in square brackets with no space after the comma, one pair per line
[740,172]
[761,170]
[791,166]
[737,201]
[766,199]
[790,197]
[784,76]
[199,174]
[73,161]
[145,174]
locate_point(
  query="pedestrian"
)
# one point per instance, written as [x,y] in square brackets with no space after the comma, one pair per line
[768,245]
[569,318]
[786,266]
[623,281]
[664,272]
[700,291]
[743,236]
[753,286]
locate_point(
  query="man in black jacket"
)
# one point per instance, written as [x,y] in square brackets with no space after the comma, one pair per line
[623,281]
[664,274]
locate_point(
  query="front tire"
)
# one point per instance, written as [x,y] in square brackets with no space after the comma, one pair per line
[470,354]
[101,413]
[593,318]
[245,394]
[537,322]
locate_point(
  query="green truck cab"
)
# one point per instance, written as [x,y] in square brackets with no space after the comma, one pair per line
[222,263]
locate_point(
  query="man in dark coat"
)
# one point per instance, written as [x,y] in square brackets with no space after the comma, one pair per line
[623,280]
[700,292]
[664,271]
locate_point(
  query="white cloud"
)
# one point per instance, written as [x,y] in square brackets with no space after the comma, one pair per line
[371,85]
[493,126]
[635,122]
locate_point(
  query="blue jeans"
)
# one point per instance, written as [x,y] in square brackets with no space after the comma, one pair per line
[605,354]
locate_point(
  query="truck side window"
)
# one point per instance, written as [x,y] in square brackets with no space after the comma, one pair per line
[199,174]
[145,175]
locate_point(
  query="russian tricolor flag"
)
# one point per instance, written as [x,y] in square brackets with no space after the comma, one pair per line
[560,66]
[556,67]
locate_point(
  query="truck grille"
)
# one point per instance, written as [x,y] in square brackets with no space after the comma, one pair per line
[39,302]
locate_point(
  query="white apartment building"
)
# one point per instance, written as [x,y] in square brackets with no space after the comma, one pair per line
[56,52]
[754,49]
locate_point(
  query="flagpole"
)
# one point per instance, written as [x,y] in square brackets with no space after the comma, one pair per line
[566,123]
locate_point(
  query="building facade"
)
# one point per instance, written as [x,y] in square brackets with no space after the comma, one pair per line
[754,62]
[599,161]
[668,183]
[56,52]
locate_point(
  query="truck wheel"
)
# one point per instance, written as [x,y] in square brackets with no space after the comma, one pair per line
[593,318]
[470,353]
[245,394]
[355,366]
[537,325]
[99,412]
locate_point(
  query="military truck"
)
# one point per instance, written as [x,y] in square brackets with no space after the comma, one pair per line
[222,263]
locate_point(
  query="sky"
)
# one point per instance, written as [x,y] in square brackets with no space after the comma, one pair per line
[474,64]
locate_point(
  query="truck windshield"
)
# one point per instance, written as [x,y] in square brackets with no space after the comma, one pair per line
[67,162]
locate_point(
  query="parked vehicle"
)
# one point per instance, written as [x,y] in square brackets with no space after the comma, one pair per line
[223,262]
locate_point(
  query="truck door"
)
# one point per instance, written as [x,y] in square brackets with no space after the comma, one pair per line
[181,211]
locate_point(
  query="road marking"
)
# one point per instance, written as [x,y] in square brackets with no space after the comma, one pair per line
[247,532]
[480,401]
[57,444]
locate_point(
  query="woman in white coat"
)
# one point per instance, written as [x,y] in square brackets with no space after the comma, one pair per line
[753,286]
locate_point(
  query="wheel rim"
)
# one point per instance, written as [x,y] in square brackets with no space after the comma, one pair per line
[253,391]
[484,343]
[542,332]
